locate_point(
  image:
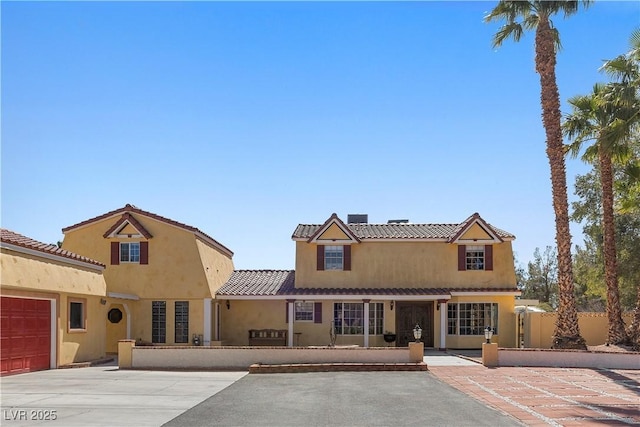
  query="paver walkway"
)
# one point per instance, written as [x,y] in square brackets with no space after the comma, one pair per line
[551,396]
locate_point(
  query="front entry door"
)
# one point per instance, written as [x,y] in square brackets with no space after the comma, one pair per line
[407,315]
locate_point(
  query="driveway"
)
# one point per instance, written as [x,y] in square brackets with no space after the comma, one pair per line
[105,396]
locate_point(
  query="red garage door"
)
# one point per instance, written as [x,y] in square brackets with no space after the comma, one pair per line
[25,335]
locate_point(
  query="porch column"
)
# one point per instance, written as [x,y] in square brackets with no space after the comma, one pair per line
[206,328]
[443,324]
[216,313]
[128,312]
[290,307]
[366,322]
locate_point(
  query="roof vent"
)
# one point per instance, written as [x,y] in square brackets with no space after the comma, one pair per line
[398,221]
[357,218]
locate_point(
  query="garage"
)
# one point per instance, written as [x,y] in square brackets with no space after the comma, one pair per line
[25,334]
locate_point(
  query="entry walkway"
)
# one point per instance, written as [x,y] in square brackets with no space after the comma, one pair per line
[551,396]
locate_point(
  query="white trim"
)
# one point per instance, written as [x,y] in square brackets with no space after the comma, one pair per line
[494,238]
[485,293]
[341,297]
[351,237]
[50,256]
[54,339]
[290,307]
[406,239]
[126,310]
[123,296]
[116,233]
[365,323]
[206,339]
[443,324]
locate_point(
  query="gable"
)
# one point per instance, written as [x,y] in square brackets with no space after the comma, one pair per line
[333,233]
[127,226]
[128,229]
[476,232]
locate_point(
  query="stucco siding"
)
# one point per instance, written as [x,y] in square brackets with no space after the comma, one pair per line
[404,264]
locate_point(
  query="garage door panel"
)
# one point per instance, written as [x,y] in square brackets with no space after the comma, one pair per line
[25,336]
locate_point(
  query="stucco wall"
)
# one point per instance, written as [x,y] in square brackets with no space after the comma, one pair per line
[404,264]
[28,276]
[175,268]
[568,359]
[242,358]
[539,328]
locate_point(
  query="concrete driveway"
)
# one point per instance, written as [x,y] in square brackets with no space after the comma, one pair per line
[105,396]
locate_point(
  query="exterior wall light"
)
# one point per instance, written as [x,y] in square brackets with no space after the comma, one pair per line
[392,305]
[488,333]
[417,332]
[228,305]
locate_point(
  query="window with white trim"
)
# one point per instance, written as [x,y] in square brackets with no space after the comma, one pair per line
[130,252]
[474,257]
[471,318]
[333,257]
[348,318]
[304,311]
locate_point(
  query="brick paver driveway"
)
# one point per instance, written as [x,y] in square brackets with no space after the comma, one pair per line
[552,396]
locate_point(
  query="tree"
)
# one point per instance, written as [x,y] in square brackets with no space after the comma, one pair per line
[536,15]
[594,118]
[541,278]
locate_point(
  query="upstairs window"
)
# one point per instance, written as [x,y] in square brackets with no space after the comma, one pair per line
[331,257]
[130,252]
[475,257]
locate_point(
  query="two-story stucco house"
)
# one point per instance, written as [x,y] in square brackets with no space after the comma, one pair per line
[362,280]
[161,276]
[52,306]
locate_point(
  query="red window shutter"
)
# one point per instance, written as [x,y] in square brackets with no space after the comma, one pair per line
[320,257]
[488,257]
[115,253]
[317,312]
[462,257]
[347,257]
[144,252]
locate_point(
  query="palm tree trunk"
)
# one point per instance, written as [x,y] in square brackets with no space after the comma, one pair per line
[567,331]
[616,333]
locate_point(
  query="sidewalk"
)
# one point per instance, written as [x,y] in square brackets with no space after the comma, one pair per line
[551,396]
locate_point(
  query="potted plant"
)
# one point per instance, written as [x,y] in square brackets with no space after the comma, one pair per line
[389,336]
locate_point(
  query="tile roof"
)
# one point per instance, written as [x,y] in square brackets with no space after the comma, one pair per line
[128,208]
[10,237]
[282,283]
[397,230]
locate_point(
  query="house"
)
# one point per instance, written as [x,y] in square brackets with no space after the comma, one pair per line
[51,305]
[161,276]
[362,280]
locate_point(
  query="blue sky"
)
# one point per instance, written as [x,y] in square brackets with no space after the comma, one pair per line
[245,119]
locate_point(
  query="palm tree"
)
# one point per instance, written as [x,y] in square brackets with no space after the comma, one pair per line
[536,15]
[595,117]
[626,69]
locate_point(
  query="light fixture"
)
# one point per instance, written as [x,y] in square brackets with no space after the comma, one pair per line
[488,333]
[103,301]
[391,305]
[228,305]
[417,332]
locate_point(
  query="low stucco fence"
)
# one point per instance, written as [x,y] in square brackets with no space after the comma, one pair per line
[184,357]
[494,356]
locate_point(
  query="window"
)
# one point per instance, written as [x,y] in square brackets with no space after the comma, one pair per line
[376,318]
[349,318]
[475,257]
[182,322]
[158,321]
[77,314]
[304,311]
[471,318]
[333,256]
[130,252]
